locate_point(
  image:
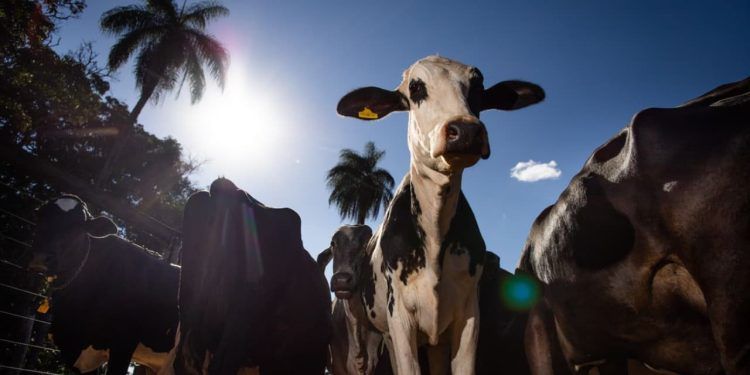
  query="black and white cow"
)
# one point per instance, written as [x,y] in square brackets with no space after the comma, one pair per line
[111,300]
[427,255]
[356,347]
[250,294]
[646,254]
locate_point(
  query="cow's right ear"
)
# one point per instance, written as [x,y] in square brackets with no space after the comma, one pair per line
[100,226]
[371,103]
[324,258]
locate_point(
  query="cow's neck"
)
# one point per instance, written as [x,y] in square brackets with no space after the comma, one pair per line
[435,197]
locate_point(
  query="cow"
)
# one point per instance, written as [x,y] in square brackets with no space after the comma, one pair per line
[250,295]
[111,299]
[646,252]
[356,347]
[426,256]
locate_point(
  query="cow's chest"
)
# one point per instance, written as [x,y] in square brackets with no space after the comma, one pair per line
[430,296]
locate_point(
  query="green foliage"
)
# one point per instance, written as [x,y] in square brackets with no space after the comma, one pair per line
[358,187]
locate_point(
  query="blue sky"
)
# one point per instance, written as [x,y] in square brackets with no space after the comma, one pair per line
[274,131]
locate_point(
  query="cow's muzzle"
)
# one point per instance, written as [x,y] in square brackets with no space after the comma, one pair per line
[342,284]
[462,140]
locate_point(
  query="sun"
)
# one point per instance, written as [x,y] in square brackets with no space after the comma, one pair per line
[239,125]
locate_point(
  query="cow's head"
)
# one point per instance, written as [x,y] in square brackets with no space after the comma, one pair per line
[348,250]
[62,226]
[444,99]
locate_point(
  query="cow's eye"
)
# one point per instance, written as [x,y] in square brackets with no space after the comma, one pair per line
[417,91]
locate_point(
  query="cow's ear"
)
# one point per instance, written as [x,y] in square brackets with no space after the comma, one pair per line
[324,258]
[100,226]
[510,95]
[371,103]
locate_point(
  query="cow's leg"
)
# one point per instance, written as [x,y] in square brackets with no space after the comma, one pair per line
[404,341]
[464,335]
[119,358]
[541,344]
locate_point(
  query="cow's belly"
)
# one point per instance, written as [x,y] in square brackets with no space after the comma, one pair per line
[91,359]
[143,355]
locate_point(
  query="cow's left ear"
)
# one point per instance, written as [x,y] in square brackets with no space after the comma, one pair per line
[371,103]
[100,227]
[324,258]
[510,95]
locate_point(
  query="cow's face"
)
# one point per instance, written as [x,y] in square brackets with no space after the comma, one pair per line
[444,99]
[61,225]
[348,249]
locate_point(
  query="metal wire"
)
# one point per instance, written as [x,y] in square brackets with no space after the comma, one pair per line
[15,240]
[27,370]
[47,348]
[24,317]
[17,217]
[22,290]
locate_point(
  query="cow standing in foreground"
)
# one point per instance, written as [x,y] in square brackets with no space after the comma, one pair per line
[427,255]
[111,300]
[250,294]
[646,254]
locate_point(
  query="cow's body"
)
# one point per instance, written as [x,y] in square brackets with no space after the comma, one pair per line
[645,254]
[111,299]
[426,257]
[250,295]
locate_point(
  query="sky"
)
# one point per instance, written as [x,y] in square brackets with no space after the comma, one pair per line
[274,130]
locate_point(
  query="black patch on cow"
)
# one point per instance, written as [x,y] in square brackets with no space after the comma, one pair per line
[476,89]
[417,91]
[601,235]
[403,238]
[464,235]
[367,284]
[389,294]
[372,314]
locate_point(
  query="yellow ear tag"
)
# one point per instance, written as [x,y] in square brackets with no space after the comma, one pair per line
[51,278]
[44,307]
[368,114]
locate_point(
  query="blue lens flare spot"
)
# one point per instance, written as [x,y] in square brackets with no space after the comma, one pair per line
[520,292]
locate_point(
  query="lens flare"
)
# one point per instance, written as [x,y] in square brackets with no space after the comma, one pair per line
[520,292]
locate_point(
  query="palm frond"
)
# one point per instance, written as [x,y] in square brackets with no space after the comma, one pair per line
[125,19]
[198,14]
[128,43]
[194,72]
[212,54]
[166,8]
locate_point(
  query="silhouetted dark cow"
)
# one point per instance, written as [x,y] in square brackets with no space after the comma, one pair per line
[646,254]
[250,295]
[427,255]
[111,299]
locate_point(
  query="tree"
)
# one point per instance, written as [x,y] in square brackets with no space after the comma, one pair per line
[171,47]
[358,187]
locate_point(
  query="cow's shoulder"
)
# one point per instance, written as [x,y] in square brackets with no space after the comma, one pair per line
[402,238]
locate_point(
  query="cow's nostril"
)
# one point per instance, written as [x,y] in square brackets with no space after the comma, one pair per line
[452,133]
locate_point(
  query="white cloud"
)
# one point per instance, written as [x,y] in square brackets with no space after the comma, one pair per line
[531,171]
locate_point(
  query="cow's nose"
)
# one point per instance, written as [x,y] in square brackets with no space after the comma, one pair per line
[466,137]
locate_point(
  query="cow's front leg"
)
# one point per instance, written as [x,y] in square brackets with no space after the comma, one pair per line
[403,335]
[464,334]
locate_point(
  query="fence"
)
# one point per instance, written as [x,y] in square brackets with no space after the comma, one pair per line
[24,344]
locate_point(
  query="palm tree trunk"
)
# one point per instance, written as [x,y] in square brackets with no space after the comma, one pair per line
[124,133]
[361,216]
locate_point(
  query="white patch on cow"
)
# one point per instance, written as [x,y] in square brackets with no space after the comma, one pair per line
[66,204]
[91,359]
[669,186]
[532,171]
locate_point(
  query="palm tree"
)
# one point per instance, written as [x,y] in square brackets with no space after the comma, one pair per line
[171,46]
[358,187]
